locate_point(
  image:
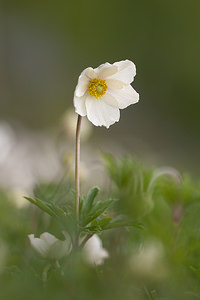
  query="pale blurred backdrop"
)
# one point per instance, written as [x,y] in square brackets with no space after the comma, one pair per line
[44,47]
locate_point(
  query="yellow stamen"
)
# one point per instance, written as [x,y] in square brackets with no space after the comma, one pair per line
[97,87]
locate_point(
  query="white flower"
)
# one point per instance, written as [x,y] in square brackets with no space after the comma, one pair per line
[17,197]
[94,253]
[83,168]
[101,92]
[49,247]
[69,121]
[149,261]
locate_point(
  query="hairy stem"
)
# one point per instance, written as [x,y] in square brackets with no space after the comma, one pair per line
[77,165]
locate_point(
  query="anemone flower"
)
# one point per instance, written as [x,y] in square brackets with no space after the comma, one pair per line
[49,247]
[102,92]
[94,253]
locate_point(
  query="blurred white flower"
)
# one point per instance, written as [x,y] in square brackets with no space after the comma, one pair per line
[149,261]
[93,251]
[69,158]
[49,247]
[17,198]
[7,141]
[26,157]
[69,121]
[101,92]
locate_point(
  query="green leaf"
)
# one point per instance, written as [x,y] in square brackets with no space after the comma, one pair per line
[90,198]
[94,223]
[81,204]
[104,222]
[43,206]
[109,223]
[87,204]
[121,221]
[97,210]
[59,211]
[92,229]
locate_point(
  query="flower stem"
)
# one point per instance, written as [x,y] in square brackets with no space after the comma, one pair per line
[45,273]
[59,267]
[77,165]
[85,240]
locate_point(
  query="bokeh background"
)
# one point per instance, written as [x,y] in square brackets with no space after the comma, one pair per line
[46,44]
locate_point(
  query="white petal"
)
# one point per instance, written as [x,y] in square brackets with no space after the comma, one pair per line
[125,96]
[100,258]
[82,86]
[115,84]
[105,70]
[100,113]
[90,73]
[38,245]
[59,249]
[48,238]
[94,252]
[84,81]
[94,244]
[109,99]
[126,71]
[104,253]
[79,103]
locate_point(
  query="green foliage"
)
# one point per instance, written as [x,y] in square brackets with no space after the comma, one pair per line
[92,214]
[90,210]
[109,223]
[161,261]
[49,208]
[132,182]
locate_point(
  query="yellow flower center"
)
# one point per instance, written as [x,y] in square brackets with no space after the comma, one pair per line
[97,87]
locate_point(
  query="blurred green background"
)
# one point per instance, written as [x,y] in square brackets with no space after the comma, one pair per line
[46,44]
